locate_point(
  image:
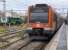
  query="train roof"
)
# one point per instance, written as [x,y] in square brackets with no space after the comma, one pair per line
[41,5]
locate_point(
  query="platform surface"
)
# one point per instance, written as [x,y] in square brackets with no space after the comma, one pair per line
[67,35]
[60,40]
[62,45]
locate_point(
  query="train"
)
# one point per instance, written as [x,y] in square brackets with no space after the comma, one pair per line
[43,22]
[11,20]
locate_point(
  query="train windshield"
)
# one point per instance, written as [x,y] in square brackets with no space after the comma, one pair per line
[39,17]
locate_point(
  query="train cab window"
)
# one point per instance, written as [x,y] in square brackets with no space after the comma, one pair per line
[39,15]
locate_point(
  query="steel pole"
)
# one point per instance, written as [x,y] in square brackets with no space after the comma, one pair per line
[4,10]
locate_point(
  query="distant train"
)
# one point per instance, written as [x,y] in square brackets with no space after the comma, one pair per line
[11,20]
[66,20]
[43,21]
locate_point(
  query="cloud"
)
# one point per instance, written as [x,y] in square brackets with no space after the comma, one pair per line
[23,4]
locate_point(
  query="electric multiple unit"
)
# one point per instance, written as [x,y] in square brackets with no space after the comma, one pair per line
[43,21]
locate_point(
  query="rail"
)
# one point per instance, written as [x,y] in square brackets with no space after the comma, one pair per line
[12,35]
[12,32]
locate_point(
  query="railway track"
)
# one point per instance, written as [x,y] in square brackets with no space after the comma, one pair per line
[7,33]
[10,33]
[8,37]
[37,45]
[19,44]
[33,46]
[7,40]
[23,44]
[26,44]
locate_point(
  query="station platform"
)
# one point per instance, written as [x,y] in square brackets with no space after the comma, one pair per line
[60,40]
[62,45]
[67,35]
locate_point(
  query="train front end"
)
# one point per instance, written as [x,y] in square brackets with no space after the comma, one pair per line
[39,22]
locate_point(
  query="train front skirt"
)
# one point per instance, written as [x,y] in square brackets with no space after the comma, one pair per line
[39,34]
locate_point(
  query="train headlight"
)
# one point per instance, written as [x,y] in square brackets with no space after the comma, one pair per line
[29,28]
[47,28]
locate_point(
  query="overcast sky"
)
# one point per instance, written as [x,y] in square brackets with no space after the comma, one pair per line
[23,4]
